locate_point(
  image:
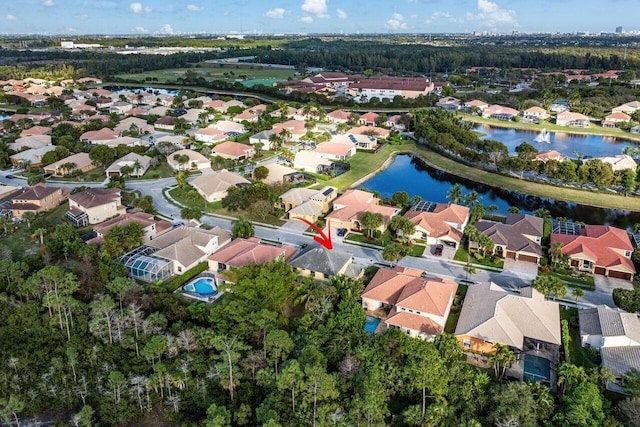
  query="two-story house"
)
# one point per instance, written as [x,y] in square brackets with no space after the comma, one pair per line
[38,198]
[94,205]
[418,306]
[438,223]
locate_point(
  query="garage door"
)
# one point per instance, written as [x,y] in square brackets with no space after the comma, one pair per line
[528,258]
[511,255]
[599,270]
[620,275]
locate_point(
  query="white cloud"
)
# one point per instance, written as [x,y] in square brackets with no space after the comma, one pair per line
[141,30]
[438,16]
[342,14]
[166,29]
[193,7]
[396,23]
[492,14]
[138,8]
[71,30]
[315,7]
[276,13]
[81,17]
[306,19]
[48,3]
[11,17]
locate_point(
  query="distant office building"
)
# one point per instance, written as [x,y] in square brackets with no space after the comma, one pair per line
[619,30]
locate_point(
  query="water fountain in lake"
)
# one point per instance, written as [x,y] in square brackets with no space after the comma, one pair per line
[543,136]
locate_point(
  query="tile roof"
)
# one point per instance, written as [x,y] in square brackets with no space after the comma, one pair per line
[220,181]
[233,149]
[81,160]
[334,148]
[36,192]
[322,260]
[511,231]
[92,197]
[620,360]
[600,243]
[186,244]
[404,319]
[142,218]
[491,313]
[103,134]
[298,195]
[241,252]
[436,223]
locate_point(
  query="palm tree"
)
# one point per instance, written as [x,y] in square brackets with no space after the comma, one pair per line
[242,227]
[29,216]
[136,166]
[40,232]
[577,293]
[471,198]
[68,167]
[501,359]
[455,194]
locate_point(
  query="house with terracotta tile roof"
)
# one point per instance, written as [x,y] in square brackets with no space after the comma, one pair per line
[233,150]
[612,120]
[500,112]
[368,119]
[247,116]
[130,123]
[348,208]
[545,156]
[481,105]
[295,127]
[338,116]
[102,136]
[230,128]
[525,322]
[444,224]
[81,161]
[151,227]
[518,236]
[375,131]
[94,205]
[37,198]
[574,120]
[214,187]
[598,249]
[242,252]
[36,131]
[419,306]
[209,135]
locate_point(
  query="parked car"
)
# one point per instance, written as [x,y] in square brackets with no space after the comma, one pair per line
[10,176]
[46,175]
[342,232]
[439,249]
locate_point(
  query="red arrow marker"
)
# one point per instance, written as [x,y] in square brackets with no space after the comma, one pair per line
[321,238]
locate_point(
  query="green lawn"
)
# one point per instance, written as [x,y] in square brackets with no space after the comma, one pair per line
[186,198]
[454,314]
[489,261]
[94,175]
[386,238]
[577,355]
[586,283]
[163,170]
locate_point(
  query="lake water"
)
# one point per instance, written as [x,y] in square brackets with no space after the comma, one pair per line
[118,90]
[565,143]
[410,174]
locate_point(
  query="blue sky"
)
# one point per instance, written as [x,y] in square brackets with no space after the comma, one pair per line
[314,16]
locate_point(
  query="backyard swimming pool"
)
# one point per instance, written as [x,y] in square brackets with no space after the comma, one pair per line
[371,323]
[536,368]
[202,286]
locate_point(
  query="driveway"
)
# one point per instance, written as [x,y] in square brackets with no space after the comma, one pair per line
[521,267]
[294,225]
[608,284]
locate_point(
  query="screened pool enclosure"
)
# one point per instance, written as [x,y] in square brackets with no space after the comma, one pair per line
[142,265]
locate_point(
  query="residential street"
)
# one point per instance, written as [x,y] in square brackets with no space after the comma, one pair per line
[364,256]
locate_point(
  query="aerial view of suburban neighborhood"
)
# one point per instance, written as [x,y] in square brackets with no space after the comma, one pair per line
[314,213]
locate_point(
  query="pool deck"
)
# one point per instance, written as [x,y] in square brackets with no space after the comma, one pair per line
[378,314]
[197,296]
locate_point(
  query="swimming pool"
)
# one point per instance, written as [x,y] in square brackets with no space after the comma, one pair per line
[536,368]
[371,323]
[203,286]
